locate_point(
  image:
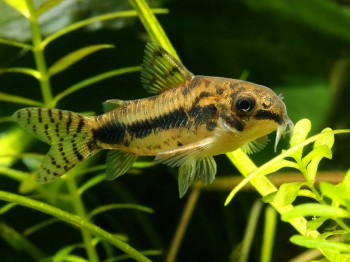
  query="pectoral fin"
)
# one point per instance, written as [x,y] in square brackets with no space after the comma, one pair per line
[178,155]
[118,163]
[255,145]
[192,162]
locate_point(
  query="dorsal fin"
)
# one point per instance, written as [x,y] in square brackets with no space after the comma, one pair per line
[160,71]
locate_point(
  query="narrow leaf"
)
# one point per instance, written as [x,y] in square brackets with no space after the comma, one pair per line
[46,6]
[74,57]
[14,43]
[119,206]
[18,100]
[19,5]
[100,18]
[6,208]
[21,70]
[92,80]
[317,210]
[310,242]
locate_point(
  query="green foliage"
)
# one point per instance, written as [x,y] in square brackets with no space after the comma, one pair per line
[318,213]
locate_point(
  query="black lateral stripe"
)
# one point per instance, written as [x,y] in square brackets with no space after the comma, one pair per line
[113,132]
[173,119]
[233,122]
[264,114]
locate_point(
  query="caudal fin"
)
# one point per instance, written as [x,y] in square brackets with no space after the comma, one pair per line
[69,134]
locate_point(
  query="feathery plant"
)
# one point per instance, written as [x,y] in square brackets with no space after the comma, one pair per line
[325,203]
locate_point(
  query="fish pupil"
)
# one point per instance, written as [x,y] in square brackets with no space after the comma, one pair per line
[245,105]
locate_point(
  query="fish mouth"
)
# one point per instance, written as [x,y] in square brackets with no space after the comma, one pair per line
[286,127]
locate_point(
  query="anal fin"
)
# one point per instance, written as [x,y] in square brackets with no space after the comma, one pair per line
[118,163]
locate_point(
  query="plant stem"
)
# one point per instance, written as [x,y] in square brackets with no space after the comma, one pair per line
[74,220]
[38,52]
[80,211]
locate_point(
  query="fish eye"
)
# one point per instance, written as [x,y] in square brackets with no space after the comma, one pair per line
[245,104]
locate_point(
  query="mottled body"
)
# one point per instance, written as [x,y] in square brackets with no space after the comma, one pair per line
[190,120]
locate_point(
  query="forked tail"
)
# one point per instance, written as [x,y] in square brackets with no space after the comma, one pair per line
[69,134]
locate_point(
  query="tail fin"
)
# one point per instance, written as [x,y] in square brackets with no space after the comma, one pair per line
[69,134]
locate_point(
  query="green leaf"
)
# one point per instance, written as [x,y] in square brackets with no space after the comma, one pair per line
[47,5]
[279,165]
[105,208]
[313,209]
[287,193]
[327,139]
[307,193]
[15,43]
[21,70]
[6,208]
[19,100]
[338,193]
[301,130]
[312,160]
[63,253]
[95,180]
[315,223]
[310,242]
[19,5]
[100,18]
[74,57]
[92,80]
[346,180]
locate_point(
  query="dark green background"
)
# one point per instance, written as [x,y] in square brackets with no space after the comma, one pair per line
[298,48]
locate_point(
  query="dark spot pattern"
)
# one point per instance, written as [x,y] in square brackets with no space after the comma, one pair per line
[211,125]
[80,124]
[69,122]
[174,71]
[76,152]
[29,116]
[220,90]
[40,118]
[46,131]
[52,120]
[263,114]
[203,114]
[233,122]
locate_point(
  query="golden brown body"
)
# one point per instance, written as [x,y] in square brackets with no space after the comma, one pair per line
[191,119]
